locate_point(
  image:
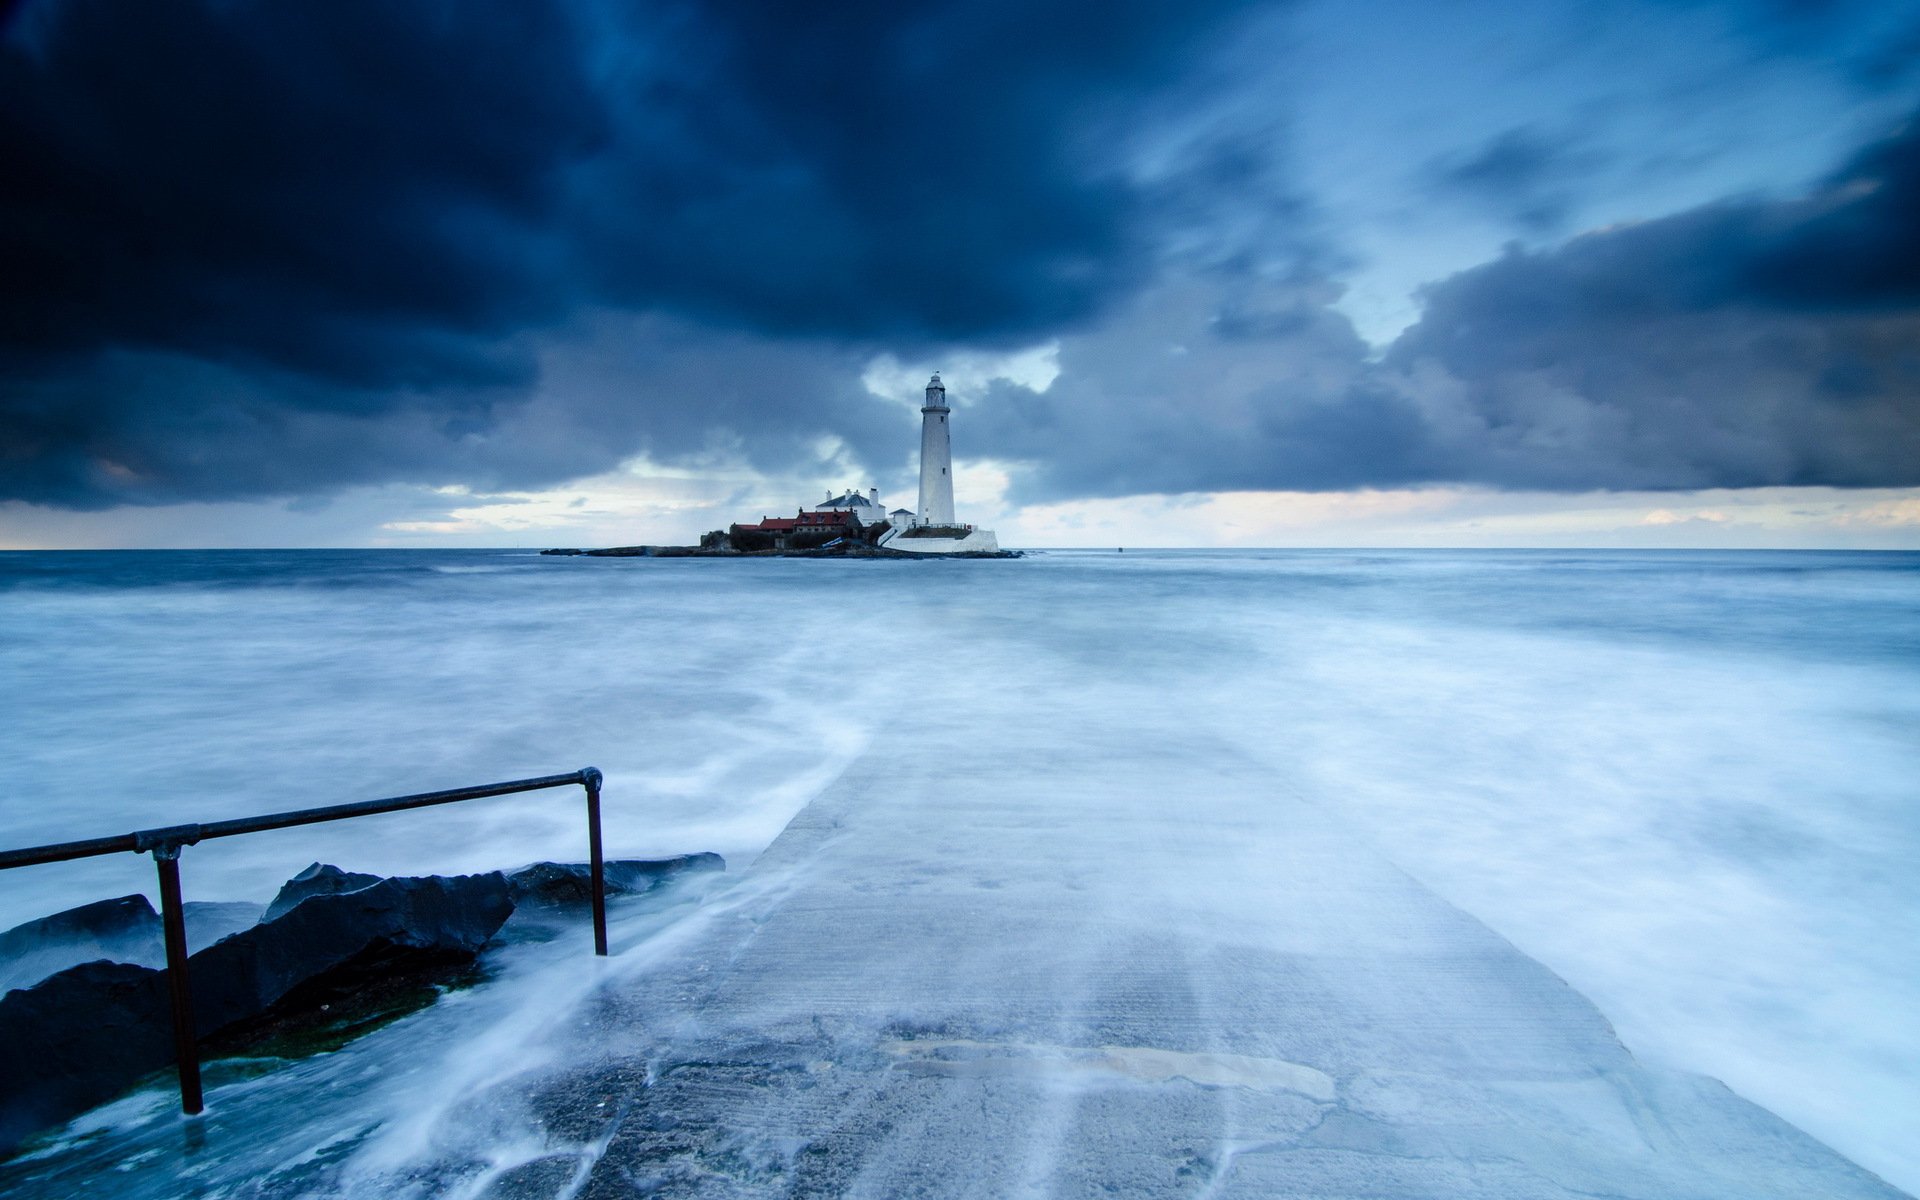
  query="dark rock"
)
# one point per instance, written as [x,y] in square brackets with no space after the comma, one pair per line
[319,879]
[99,921]
[569,883]
[331,1011]
[89,1032]
[336,940]
[78,1038]
[125,929]
[713,545]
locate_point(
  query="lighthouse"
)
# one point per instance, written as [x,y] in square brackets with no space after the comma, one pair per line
[933,529]
[936,457]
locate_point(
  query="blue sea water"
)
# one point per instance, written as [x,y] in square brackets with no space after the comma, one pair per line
[1687,782]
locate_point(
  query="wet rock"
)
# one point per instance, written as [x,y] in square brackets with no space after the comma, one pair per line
[124,929]
[570,883]
[333,941]
[103,920]
[319,879]
[78,1038]
[89,1032]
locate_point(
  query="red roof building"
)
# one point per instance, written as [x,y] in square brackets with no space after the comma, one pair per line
[770,525]
[780,529]
[832,519]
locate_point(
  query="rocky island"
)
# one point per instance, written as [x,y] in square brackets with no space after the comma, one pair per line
[853,524]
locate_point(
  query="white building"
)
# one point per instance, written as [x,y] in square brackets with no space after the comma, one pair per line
[866,509]
[934,529]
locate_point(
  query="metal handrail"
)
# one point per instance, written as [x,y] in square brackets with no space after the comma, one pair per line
[166,843]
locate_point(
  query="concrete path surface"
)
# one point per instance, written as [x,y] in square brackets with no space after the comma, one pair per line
[1158,979]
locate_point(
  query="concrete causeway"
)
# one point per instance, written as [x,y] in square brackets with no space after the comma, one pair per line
[937,982]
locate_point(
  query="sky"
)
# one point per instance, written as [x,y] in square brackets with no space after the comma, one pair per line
[1207,272]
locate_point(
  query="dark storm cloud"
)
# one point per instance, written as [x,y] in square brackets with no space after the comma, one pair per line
[227,222]
[1743,344]
[139,423]
[277,249]
[1854,246]
[344,190]
[1738,345]
[1525,175]
[894,170]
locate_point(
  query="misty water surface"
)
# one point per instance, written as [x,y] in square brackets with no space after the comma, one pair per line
[1690,783]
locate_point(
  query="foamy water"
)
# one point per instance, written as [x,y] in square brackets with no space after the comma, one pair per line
[1686,782]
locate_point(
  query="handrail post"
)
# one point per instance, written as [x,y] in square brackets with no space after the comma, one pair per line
[590,779]
[186,1048]
[165,845]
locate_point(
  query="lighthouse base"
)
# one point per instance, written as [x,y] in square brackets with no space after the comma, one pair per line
[940,539]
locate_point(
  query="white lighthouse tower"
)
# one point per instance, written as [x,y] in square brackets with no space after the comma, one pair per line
[936,457]
[934,529]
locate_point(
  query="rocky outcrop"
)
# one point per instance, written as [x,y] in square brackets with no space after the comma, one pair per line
[97,1028]
[729,550]
[77,1038]
[124,929]
[85,1031]
[319,879]
[335,941]
[570,883]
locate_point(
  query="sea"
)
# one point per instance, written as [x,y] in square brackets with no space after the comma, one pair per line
[1687,782]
